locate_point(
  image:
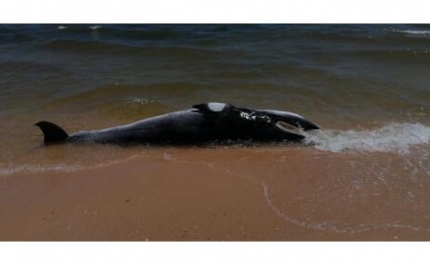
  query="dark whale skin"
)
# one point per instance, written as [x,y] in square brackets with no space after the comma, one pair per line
[204,123]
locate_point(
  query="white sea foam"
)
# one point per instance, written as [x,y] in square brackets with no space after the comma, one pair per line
[6,170]
[35,169]
[94,27]
[415,32]
[139,100]
[396,137]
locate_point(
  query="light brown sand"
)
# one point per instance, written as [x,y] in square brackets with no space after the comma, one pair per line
[203,194]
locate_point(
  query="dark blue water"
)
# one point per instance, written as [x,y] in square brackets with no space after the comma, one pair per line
[314,60]
[348,77]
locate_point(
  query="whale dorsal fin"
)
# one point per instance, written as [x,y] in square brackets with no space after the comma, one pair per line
[211,107]
[52,132]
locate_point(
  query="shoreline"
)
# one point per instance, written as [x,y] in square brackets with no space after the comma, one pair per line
[199,196]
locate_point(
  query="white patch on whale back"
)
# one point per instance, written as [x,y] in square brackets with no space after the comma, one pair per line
[216,107]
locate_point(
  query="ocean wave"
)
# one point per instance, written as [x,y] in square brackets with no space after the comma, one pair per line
[128,32]
[135,108]
[90,46]
[395,137]
[129,49]
[28,66]
[141,33]
[395,55]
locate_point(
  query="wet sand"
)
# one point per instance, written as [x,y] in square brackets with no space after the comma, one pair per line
[234,194]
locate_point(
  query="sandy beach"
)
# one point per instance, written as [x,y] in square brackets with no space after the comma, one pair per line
[198,194]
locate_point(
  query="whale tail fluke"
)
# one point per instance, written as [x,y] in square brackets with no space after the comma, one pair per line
[52,133]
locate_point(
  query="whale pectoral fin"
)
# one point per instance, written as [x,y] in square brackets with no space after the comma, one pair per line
[286,127]
[297,122]
[52,132]
[293,132]
[292,119]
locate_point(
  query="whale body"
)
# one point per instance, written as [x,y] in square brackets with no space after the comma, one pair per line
[202,124]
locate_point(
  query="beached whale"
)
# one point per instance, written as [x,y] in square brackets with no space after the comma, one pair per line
[202,124]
